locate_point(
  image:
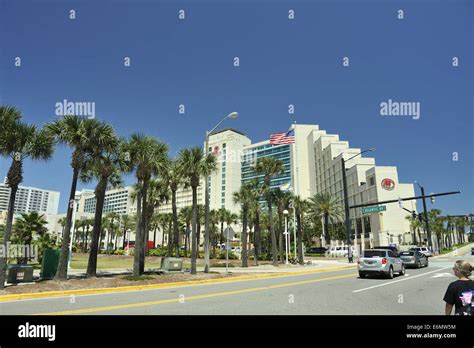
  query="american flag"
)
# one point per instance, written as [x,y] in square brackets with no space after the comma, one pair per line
[283,138]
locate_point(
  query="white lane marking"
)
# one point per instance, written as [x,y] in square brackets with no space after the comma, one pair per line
[401,280]
[443,275]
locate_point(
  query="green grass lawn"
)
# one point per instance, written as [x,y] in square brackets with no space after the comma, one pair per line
[79,261]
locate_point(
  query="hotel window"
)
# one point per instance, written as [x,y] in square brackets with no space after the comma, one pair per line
[372,181]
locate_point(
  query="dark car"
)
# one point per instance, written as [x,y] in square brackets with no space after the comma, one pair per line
[390,247]
[472,251]
[413,258]
[319,250]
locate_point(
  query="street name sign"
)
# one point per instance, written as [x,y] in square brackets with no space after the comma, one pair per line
[375,209]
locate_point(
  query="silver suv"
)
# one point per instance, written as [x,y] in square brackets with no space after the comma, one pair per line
[380,261]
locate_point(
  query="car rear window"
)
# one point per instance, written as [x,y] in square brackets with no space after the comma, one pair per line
[408,253]
[374,253]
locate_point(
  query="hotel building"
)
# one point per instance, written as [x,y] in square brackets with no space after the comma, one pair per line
[312,164]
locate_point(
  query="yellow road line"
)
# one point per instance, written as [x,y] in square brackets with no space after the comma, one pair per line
[197,297]
[78,292]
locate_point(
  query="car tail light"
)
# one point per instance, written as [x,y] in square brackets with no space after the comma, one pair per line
[384,261]
[359,261]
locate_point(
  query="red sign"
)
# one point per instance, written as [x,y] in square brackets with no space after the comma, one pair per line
[388,184]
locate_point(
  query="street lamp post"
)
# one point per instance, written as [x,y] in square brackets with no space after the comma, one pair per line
[346,202]
[425,212]
[206,196]
[285,212]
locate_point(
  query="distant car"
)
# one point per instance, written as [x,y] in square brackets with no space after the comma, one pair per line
[344,251]
[472,251]
[319,250]
[341,251]
[414,259]
[423,250]
[389,247]
[334,251]
[381,262]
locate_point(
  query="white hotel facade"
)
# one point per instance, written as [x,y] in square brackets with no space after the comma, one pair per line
[312,164]
[30,199]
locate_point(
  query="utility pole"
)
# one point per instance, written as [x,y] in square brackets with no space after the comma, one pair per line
[425,212]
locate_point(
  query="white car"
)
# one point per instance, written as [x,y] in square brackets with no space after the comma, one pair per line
[341,251]
[423,250]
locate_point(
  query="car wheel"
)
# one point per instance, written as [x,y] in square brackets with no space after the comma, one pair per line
[390,273]
[427,263]
[402,271]
[362,275]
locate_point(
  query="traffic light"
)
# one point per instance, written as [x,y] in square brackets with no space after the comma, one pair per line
[420,217]
[413,214]
[432,199]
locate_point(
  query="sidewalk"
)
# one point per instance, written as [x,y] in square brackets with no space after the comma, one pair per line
[456,253]
[261,269]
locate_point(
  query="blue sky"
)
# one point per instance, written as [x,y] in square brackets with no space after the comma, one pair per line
[282,62]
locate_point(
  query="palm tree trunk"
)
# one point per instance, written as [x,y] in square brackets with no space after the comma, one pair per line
[138,237]
[186,237]
[244,238]
[154,236]
[198,237]
[299,231]
[272,232]
[144,225]
[97,228]
[87,239]
[194,230]
[6,236]
[280,237]
[61,273]
[222,233]
[170,238]
[175,222]
[257,246]
[326,229]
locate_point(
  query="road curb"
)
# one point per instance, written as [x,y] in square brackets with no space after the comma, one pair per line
[458,251]
[78,292]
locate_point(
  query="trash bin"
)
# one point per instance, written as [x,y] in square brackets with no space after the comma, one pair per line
[20,274]
[50,263]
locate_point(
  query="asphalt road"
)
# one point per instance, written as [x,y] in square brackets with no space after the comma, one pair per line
[419,292]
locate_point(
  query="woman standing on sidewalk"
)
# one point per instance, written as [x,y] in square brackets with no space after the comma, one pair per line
[460,292]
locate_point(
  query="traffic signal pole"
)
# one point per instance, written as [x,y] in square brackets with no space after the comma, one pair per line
[425,211]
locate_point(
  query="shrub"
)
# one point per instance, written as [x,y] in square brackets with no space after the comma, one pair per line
[222,255]
[119,252]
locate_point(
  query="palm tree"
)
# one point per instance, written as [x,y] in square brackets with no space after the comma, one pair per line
[158,193]
[27,227]
[88,223]
[255,194]
[214,221]
[269,167]
[325,205]
[414,226]
[19,142]
[85,136]
[195,164]
[223,213]
[282,201]
[186,216]
[244,198]
[148,157]
[174,177]
[127,222]
[105,166]
[300,207]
